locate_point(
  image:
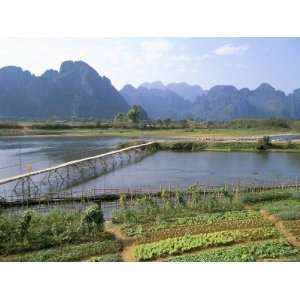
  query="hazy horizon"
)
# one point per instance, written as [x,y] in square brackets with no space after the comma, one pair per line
[242,62]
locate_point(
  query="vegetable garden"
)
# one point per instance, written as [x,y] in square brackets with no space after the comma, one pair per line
[177,227]
[229,227]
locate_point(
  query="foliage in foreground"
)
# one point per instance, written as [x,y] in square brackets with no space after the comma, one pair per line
[287,209]
[242,253]
[175,205]
[182,230]
[201,241]
[193,220]
[34,231]
[71,252]
[256,198]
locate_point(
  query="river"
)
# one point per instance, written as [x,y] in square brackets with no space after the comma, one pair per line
[18,155]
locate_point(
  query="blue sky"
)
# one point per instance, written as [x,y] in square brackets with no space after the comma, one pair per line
[243,62]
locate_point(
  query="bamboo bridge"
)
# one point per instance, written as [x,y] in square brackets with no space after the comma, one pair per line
[34,185]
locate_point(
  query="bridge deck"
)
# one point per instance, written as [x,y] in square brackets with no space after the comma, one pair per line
[73,162]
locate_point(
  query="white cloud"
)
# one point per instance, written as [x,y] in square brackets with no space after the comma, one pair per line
[229,49]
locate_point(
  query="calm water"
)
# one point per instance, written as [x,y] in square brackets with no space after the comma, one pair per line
[162,168]
[208,168]
[19,155]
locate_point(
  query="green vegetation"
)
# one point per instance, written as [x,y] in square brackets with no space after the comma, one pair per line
[175,205]
[215,225]
[268,196]
[71,252]
[34,231]
[134,114]
[195,146]
[195,224]
[285,208]
[207,220]
[201,241]
[131,125]
[242,253]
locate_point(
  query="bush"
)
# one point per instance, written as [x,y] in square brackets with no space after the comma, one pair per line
[183,146]
[264,143]
[265,196]
[34,231]
[93,218]
[25,224]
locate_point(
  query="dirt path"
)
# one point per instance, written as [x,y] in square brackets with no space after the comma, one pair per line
[127,242]
[280,227]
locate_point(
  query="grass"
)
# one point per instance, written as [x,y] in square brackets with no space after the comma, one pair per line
[286,208]
[243,253]
[268,196]
[71,252]
[28,129]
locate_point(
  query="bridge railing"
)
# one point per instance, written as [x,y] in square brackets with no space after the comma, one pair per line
[112,194]
[58,178]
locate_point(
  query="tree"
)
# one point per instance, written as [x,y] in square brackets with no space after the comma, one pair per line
[167,122]
[120,117]
[264,143]
[134,114]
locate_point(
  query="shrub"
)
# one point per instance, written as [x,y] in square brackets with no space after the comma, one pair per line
[264,143]
[265,196]
[34,231]
[24,224]
[93,218]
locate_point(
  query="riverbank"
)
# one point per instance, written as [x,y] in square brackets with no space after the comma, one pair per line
[223,145]
[135,133]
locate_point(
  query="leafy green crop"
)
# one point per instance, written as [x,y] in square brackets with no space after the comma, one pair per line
[181,230]
[242,253]
[200,219]
[201,241]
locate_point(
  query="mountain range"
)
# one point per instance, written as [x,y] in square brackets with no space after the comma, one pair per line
[221,102]
[77,90]
[183,89]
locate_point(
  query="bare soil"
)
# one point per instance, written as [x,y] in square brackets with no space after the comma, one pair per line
[127,242]
[277,222]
